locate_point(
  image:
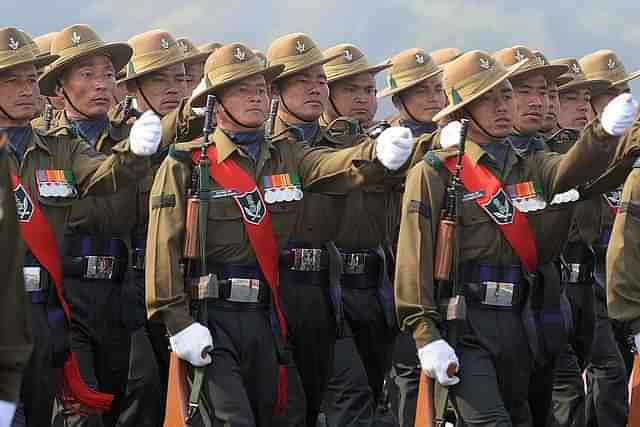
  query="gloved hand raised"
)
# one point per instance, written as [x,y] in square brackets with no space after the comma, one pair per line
[145,135]
[394,146]
[192,344]
[450,134]
[619,114]
[435,359]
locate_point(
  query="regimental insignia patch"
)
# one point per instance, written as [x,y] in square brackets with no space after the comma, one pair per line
[24,204]
[500,208]
[252,206]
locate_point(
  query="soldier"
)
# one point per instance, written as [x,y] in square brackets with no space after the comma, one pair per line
[363,352]
[52,172]
[606,400]
[44,47]
[492,345]
[16,339]
[241,376]
[155,75]
[194,62]
[415,84]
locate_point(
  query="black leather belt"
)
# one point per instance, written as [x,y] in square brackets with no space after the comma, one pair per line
[95,258]
[578,262]
[232,283]
[494,286]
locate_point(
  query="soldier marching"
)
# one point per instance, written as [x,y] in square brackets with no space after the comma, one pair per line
[211,235]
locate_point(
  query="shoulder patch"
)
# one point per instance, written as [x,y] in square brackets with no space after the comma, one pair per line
[163,201]
[420,208]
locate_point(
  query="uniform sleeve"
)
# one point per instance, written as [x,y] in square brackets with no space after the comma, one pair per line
[623,257]
[15,313]
[164,279]
[338,171]
[585,161]
[98,175]
[416,305]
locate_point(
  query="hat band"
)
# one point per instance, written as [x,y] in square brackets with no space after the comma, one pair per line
[72,51]
[405,77]
[226,73]
[10,57]
[609,75]
[337,70]
[295,62]
[155,59]
[473,84]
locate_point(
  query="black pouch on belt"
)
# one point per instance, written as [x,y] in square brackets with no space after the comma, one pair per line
[335,287]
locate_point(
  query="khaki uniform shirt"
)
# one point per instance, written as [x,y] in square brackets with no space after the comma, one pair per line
[227,241]
[16,338]
[482,241]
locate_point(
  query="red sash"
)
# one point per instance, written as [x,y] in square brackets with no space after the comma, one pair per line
[497,204]
[41,241]
[257,223]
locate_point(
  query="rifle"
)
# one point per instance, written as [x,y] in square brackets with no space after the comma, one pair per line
[128,111]
[432,401]
[634,394]
[182,404]
[270,127]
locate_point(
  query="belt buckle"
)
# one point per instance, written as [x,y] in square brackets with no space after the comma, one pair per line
[306,259]
[33,279]
[354,263]
[244,290]
[498,294]
[100,267]
[204,287]
[573,273]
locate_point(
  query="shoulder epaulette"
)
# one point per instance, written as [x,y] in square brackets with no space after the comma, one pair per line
[182,150]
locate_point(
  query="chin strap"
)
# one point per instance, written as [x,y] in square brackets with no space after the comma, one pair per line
[66,96]
[146,100]
[234,120]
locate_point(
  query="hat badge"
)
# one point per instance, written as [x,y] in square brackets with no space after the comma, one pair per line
[611,64]
[164,44]
[75,39]
[184,46]
[13,43]
[419,59]
[485,64]
[300,46]
[541,60]
[239,54]
[519,56]
[348,55]
[575,68]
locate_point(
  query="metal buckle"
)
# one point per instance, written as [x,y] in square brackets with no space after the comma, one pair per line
[454,308]
[34,279]
[306,259]
[573,273]
[100,267]
[204,287]
[354,263]
[498,294]
[244,290]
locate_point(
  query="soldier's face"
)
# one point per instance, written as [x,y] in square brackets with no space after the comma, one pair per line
[551,118]
[194,73]
[423,101]
[89,84]
[531,102]
[164,89]
[306,94]
[574,107]
[246,101]
[355,97]
[19,94]
[494,111]
[600,101]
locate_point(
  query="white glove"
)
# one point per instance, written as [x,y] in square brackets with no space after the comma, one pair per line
[190,344]
[450,134]
[435,358]
[7,410]
[394,146]
[145,135]
[619,114]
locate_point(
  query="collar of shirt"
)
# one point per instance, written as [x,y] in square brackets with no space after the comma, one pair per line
[250,141]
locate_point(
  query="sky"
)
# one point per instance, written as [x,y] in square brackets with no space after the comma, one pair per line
[380,29]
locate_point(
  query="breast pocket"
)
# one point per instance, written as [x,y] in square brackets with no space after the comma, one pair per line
[283,217]
[225,222]
[478,232]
